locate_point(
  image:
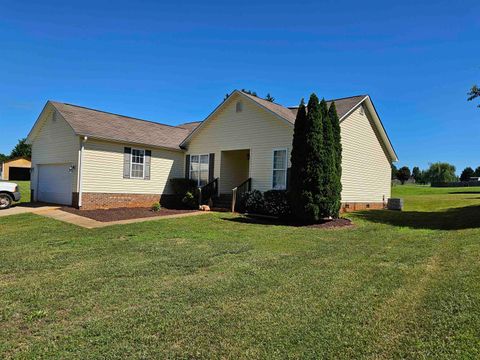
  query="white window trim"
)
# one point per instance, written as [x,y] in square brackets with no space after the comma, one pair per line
[190,167]
[131,163]
[286,165]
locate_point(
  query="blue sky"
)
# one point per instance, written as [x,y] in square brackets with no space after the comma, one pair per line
[174,62]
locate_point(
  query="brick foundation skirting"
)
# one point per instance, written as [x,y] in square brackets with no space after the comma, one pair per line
[359,206]
[92,201]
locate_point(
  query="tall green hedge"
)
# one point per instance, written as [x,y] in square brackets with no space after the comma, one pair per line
[337,149]
[314,189]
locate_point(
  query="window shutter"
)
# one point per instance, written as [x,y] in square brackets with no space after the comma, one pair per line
[148,161]
[211,167]
[126,162]
[288,177]
[187,166]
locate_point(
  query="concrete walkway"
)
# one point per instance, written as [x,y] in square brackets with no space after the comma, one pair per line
[26,208]
[94,224]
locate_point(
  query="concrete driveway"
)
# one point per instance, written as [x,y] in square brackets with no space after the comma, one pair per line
[23,208]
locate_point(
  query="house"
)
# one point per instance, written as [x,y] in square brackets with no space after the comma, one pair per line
[94,159]
[16,169]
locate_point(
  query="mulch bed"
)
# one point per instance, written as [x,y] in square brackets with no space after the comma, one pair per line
[106,215]
[335,223]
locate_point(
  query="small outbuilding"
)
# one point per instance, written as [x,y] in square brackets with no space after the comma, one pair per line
[16,169]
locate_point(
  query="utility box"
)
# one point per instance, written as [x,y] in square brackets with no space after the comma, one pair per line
[395,204]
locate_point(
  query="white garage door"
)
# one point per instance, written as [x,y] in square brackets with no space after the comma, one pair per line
[55,184]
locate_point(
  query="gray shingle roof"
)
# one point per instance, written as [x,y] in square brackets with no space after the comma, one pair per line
[104,125]
[343,105]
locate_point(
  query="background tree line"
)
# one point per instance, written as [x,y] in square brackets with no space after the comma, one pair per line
[22,149]
[437,172]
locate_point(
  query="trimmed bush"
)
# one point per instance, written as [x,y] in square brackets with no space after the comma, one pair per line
[276,203]
[254,202]
[190,200]
[272,203]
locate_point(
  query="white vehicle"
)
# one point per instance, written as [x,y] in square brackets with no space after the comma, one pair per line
[8,194]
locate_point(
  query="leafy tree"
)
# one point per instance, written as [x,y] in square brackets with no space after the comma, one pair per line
[467,173]
[440,172]
[403,174]
[22,149]
[394,172]
[477,172]
[423,177]
[269,98]
[416,173]
[337,141]
[473,93]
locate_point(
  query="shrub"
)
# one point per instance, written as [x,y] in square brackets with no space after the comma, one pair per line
[254,202]
[272,202]
[190,200]
[156,207]
[276,203]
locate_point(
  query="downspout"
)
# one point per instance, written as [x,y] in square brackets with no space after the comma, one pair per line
[80,168]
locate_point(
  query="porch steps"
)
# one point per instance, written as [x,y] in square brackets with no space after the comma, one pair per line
[224,201]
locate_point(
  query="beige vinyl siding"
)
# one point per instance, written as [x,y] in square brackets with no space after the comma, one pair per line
[366,169]
[253,128]
[103,169]
[55,143]
[235,169]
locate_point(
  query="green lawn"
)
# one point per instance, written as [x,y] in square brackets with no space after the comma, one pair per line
[397,285]
[24,190]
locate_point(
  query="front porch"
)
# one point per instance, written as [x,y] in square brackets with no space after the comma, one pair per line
[234,179]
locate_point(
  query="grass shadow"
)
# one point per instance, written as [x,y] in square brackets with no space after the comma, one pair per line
[254,220]
[467,217]
[464,192]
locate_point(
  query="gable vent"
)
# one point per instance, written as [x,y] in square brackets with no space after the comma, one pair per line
[239,106]
[362,110]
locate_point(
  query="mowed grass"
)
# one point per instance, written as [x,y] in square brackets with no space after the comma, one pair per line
[24,187]
[394,286]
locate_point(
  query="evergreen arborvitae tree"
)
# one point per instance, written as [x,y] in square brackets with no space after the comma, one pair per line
[297,159]
[328,162]
[312,199]
[336,185]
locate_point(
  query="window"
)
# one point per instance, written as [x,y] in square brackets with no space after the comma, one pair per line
[279,178]
[199,165]
[137,164]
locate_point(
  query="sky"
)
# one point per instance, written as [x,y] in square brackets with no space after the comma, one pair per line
[173,62]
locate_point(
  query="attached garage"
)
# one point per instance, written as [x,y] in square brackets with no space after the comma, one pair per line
[55,184]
